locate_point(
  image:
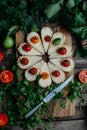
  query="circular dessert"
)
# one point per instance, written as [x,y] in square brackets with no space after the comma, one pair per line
[46,55]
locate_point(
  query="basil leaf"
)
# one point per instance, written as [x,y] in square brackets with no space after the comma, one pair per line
[70,4]
[56,41]
[52,9]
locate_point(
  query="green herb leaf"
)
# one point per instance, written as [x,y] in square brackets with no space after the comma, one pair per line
[52,9]
[70,4]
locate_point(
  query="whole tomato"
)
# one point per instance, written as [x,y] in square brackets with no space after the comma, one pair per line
[3,119]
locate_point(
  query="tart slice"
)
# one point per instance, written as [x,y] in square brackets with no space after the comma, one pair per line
[57,40]
[46,34]
[27,49]
[45,79]
[63,51]
[57,74]
[26,61]
[34,40]
[66,64]
[32,72]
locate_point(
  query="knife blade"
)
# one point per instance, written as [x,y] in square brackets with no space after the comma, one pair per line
[50,96]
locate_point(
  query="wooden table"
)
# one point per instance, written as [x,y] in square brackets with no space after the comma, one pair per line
[77,122]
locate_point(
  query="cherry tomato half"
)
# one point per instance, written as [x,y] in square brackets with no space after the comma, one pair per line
[6,76]
[3,119]
[26,47]
[33,71]
[65,63]
[62,51]
[44,75]
[24,61]
[83,76]
[47,38]
[56,73]
[35,39]
[1,56]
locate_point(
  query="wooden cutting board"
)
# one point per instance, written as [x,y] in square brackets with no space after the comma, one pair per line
[56,110]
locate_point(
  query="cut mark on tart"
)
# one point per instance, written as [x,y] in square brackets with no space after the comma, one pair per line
[27,49]
[32,72]
[66,64]
[31,60]
[34,40]
[58,39]
[45,79]
[46,34]
[57,75]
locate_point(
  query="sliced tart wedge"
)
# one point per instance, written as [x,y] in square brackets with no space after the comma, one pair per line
[63,51]
[32,72]
[66,64]
[45,79]
[58,39]
[25,62]
[27,49]
[57,75]
[34,40]
[46,34]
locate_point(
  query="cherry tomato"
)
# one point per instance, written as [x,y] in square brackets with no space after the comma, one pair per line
[65,63]
[35,39]
[24,61]
[1,56]
[27,47]
[56,73]
[83,76]
[33,71]
[47,38]
[3,119]
[6,76]
[8,42]
[62,51]
[44,75]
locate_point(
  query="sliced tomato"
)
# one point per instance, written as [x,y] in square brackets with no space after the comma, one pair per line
[56,73]
[62,51]
[27,47]
[3,119]
[65,63]
[44,75]
[33,71]
[1,56]
[35,39]
[83,76]
[6,76]
[47,38]
[24,61]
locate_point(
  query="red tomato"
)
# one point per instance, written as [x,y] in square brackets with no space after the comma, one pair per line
[65,63]
[47,38]
[35,39]
[6,76]
[33,71]
[24,61]
[27,47]
[3,119]
[83,76]
[44,75]
[1,56]
[62,51]
[56,73]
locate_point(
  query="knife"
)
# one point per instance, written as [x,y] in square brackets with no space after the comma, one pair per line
[50,96]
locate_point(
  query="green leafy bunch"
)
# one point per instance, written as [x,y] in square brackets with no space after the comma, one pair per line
[72,14]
